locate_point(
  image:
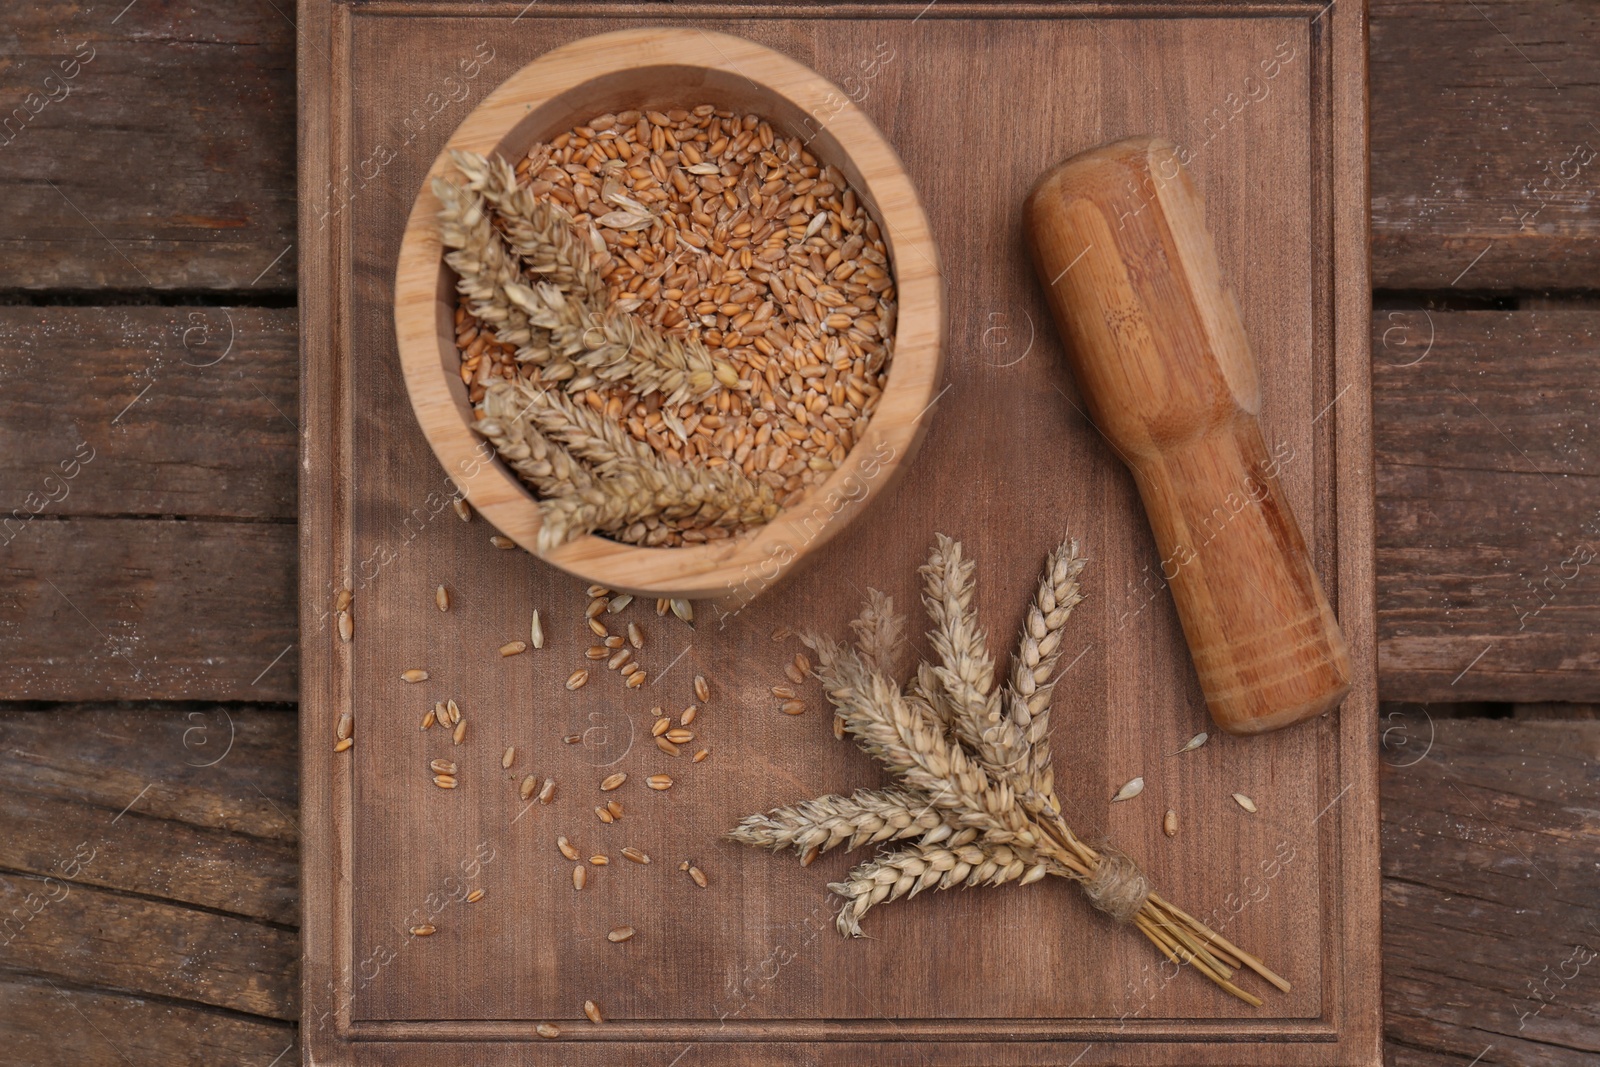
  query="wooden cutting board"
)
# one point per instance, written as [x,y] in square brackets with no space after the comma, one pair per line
[979,99]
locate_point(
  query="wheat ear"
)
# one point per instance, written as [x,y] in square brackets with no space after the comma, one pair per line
[632,482]
[913,744]
[965,672]
[867,817]
[536,230]
[547,465]
[879,632]
[909,871]
[1028,693]
[486,272]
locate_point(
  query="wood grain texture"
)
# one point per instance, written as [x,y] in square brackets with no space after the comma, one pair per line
[147,149]
[47,1023]
[146,412]
[98,609]
[1491,922]
[147,884]
[651,68]
[1005,422]
[1484,147]
[1489,541]
[191,804]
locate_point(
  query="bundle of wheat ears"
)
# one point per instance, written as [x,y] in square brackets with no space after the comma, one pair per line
[671,323]
[531,280]
[976,795]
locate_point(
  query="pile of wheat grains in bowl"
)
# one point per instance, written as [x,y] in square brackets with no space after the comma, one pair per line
[670,324]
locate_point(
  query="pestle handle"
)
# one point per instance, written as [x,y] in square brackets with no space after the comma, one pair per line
[1159,353]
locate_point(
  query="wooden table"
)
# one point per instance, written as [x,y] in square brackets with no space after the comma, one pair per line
[147,459]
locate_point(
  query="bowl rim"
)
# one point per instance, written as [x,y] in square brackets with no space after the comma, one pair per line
[736,568]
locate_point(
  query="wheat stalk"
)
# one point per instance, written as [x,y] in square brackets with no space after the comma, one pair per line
[974,772]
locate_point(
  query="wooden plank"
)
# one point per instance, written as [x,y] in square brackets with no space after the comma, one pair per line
[409,843]
[1491,922]
[48,1024]
[97,609]
[151,148]
[193,805]
[1485,155]
[133,829]
[1489,541]
[147,411]
[77,934]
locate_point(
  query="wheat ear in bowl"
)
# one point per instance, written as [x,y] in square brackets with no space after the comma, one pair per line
[670,323]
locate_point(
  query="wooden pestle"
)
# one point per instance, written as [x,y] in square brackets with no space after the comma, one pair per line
[1159,353]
